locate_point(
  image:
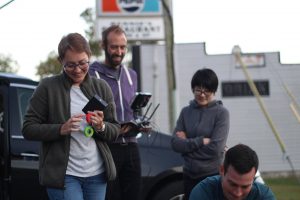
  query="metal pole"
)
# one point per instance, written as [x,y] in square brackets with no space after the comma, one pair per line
[237,53]
[6,4]
[169,35]
[294,105]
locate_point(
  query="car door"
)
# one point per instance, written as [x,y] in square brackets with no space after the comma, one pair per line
[4,146]
[23,153]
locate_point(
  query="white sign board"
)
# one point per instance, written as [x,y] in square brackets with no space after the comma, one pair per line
[252,60]
[141,19]
[136,28]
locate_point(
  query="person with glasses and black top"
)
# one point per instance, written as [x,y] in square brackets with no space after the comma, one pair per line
[201,131]
[72,165]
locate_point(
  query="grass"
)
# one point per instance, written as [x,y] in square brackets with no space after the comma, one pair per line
[287,188]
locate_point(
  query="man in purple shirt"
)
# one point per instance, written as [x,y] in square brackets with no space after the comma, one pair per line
[123,83]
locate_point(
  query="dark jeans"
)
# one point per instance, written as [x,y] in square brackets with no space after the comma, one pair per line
[190,183]
[127,185]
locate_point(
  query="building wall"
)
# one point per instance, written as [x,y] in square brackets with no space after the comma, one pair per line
[248,123]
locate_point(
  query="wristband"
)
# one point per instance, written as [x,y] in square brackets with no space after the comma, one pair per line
[102,129]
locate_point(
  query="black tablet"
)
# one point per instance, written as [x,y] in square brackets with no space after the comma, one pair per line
[95,103]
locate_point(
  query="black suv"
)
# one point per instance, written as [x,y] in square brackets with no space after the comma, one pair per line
[161,167]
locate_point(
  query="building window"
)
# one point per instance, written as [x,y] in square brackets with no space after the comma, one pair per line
[242,89]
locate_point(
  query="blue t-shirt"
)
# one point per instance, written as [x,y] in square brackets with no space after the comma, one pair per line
[211,188]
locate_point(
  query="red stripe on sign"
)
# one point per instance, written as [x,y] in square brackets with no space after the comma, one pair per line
[109,6]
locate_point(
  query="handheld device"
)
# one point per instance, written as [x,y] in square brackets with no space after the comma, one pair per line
[140,101]
[95,103]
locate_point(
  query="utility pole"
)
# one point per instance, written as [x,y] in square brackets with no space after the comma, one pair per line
[169,39]
[2,6]
[254,90]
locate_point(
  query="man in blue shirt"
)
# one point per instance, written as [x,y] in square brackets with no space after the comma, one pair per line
[236,179]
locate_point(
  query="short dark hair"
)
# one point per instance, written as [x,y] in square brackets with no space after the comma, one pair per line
[74,42]
[205,78]
[112,28]
[242,158]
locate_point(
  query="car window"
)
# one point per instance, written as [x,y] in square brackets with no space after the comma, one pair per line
[19,97]
[23,95]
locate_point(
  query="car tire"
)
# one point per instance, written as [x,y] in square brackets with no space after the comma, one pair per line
[170,191]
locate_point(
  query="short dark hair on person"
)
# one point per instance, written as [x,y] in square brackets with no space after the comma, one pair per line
[205,78]
[242,158]
[74,42]
[112,28]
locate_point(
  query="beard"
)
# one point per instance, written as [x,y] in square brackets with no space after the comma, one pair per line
[111,61]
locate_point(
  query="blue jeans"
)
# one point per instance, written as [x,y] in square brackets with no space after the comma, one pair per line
[78,188]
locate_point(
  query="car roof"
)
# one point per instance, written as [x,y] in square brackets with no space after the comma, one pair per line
[14,78]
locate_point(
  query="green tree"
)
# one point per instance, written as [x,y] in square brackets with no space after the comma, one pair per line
[7,64]
[89,16]
[52,66]
[49,67]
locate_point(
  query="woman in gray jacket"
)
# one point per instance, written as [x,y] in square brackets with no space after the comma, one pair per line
[72,165]
[201,131]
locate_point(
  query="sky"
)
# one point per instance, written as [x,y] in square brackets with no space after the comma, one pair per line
[31,29]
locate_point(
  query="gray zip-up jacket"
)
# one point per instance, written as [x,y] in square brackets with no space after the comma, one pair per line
[48,109]
[198,123]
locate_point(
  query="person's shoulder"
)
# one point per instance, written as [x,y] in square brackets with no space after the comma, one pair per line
[206,189]
[187,108]
[190,106]
[95,66]
[51,83]
[99,84]
[211,180]
[219,103]
[130,70]
[97,81]
[50,80]
[262,190]
[212,185]
[221,108]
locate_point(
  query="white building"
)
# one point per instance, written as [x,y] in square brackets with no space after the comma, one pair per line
[248,123]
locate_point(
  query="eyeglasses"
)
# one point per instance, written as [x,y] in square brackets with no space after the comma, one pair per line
[83,64]
[200,91]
